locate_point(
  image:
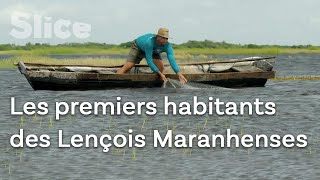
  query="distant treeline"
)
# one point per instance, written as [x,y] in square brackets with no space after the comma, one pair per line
[189,44]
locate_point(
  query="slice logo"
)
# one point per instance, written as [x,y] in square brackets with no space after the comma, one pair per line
[27,25]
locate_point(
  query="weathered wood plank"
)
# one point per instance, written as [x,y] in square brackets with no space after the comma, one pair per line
[145,65]
[150,77]
[247,69]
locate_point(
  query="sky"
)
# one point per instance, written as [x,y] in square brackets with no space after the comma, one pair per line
[281,22]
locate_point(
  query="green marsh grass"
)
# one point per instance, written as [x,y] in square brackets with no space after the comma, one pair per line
[182,55]
[205,123]
[66,50]
[21,122]
[187,151]
[50,123]
[246,51]
[124,154]
[49,50]
[144,122]
[10,62]
[173,127]
[228,51]
[7,64]
[296,78]
[70,61]
[134,154]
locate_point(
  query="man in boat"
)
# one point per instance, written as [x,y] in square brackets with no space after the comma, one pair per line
[149,46]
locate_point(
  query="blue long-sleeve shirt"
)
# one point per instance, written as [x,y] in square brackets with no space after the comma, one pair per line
[147,43]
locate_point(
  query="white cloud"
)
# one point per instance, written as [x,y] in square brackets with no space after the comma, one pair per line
[314,21]
[57,11]
[6,12]
[238,21]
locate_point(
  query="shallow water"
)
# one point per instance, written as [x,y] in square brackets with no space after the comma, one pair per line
[297,104]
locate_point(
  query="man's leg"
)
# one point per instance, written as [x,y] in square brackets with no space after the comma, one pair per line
[125,68]
[134,57]
[159,64]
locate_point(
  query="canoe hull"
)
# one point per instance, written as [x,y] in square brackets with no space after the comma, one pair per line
[93,85]
[59,77]
[93,81]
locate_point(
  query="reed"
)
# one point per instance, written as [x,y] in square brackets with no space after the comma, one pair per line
[21,122]
[7,64]
[134,154]
[293,78]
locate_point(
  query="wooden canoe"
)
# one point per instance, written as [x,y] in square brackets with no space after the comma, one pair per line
[68,77]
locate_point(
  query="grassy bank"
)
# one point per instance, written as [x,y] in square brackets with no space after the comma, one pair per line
[10,63]
[191,50]
[191,47]
[65,50]
[178,51]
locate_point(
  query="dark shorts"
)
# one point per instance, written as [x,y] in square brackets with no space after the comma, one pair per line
[136,54]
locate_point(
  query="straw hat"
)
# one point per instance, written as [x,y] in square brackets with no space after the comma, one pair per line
[163,32]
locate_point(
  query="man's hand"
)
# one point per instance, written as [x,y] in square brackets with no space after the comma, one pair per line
[162,76]
[182,79]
